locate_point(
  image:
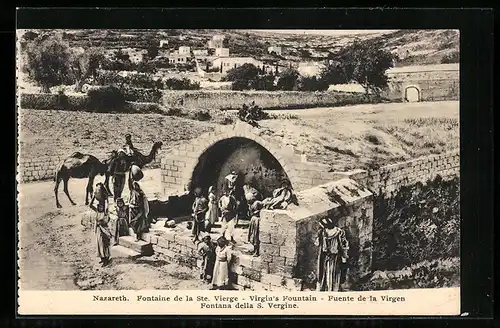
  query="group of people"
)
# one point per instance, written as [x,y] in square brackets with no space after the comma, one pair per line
[131,219]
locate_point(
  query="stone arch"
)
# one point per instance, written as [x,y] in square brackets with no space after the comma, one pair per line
[230,139]
[412,93]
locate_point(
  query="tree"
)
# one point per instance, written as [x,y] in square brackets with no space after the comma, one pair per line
[86,65]
[48,62]
[244,72]
[366,63]
[287,79]
[152,51]
[333,74]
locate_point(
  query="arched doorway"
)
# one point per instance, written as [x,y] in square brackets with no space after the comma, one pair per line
[412,94]
[254,164]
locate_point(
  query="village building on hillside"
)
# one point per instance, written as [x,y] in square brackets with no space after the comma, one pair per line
[177,58]
[217,41]
[275,49]
[222,52]
[184,50]
[163,43]
[200,52]
[228,63]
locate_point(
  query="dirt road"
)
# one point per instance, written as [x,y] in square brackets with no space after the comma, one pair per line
[57,253]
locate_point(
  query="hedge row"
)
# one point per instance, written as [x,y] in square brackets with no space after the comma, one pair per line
[82,103]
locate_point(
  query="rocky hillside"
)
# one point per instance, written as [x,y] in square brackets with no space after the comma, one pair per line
[413,47]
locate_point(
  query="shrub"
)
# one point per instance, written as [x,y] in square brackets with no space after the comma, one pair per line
[306,83]
[287,79]
[181,84]
[453,57]
[47,101]
[142,95]
[143,81]
[417,223]
[203,115]
[175,111]
[106,99]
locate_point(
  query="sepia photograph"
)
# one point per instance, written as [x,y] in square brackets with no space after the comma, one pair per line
[238,160]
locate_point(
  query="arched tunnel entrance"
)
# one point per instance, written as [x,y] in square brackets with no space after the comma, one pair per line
[254,164]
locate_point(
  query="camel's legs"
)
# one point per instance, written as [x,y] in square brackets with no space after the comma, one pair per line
[90,189]
[65,181]
[56,189]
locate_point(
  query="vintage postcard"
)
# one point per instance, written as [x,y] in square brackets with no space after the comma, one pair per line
[238,172]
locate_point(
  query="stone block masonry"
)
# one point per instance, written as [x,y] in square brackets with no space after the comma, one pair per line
[44,168]
[178,165]
[390,178]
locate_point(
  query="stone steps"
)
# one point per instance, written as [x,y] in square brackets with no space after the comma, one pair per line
[141,247]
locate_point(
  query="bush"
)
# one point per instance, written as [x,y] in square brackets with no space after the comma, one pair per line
[181,84]
[312,83]
[142,95]
[451,58]
[106,99]
[287,79]
[47,101]
[143,81]
[417,223]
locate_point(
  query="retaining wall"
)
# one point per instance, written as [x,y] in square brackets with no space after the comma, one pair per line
[389,178]
[44,168]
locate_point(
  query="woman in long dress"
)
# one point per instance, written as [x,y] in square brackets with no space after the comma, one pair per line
[138,211]
[223,256]
[212,213]
[333,247]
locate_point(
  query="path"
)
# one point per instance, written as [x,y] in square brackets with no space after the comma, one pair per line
[56,253]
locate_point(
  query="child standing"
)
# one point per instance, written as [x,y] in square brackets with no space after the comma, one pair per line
[223,256]
[103,235]
[122,223]
[206,251]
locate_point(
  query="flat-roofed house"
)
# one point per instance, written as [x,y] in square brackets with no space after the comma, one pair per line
[222,52]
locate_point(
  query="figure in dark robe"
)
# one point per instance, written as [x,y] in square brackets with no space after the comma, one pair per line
[138,210]
[333,248]
[254,227]
[200,208]
[206,261]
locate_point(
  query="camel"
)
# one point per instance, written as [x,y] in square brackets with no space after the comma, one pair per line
[78,166]
[125,162]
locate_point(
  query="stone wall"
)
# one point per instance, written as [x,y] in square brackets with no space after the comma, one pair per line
[433,84]
[392,177]
[44,168]
[246,271]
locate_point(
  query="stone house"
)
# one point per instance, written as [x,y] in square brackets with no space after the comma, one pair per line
[227,63]
[277,50]
[222,52]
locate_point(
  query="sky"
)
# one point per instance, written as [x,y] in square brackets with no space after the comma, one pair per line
[327,32]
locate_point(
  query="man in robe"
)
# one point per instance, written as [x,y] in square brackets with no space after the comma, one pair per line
[200,208]
[333,248]
[227,205]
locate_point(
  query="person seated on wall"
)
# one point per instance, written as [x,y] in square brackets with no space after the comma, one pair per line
[282,197]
